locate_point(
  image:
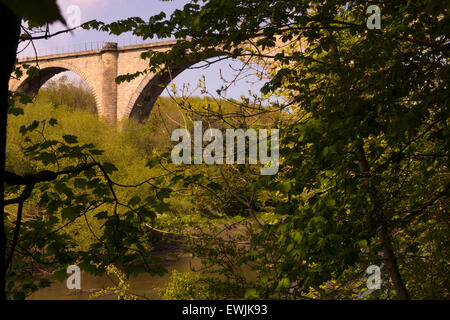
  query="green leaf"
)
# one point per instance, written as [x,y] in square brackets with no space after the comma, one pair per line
[362,243]
[215,186]
[109,167]
[60,275]
[285,186]
[101,215]
[70,213]
[37,13]
[24,129]
[163,193]
[46,158]
[90,173]
[96,152]
[134,201]
[161,207]
[147,213]
[152,162]
[251,294]
[70,139]
[80,183]
[284,283]
[16,111]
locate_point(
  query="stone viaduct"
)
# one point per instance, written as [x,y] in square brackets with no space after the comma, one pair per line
[99,68]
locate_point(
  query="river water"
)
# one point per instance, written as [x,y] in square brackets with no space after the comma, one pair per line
[144,284]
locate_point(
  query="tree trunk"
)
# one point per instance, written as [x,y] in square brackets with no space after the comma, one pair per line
[10,25]
[391,263]
[383,233]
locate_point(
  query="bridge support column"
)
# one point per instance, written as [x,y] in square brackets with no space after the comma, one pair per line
[109,58]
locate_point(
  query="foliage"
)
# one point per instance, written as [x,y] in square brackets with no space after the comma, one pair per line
[121,289]
[36,14]
[365,159]
[73,94]
[184,286]
[75,212]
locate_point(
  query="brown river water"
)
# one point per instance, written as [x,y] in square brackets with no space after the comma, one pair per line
[144,284]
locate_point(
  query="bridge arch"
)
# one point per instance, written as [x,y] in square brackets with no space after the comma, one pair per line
[151,87]
[31,85]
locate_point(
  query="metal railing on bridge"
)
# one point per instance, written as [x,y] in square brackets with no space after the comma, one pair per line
[28,51]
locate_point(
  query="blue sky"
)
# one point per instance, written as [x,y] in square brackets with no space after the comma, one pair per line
[112,10]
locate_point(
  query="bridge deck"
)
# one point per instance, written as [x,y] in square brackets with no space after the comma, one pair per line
[136,47]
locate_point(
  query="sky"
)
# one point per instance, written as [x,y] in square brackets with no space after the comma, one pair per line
[113,10]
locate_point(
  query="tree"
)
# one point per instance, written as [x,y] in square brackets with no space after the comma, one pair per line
[364,158]
[365,164]
[62,180]
[11,20]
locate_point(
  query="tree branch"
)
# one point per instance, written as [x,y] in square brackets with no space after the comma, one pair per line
[14,179]
[50,35]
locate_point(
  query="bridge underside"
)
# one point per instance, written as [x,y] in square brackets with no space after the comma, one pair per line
[31,86]
[151,88]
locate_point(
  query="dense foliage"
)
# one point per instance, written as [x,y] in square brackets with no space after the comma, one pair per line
[73,94]
[78,212]
[364,161]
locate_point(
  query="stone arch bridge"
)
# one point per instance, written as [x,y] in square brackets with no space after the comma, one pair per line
[99,69]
